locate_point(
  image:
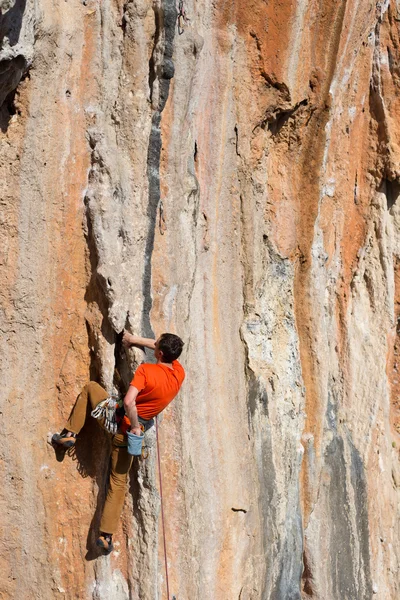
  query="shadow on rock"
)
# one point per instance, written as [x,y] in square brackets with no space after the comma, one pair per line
[91,454]
[11,22]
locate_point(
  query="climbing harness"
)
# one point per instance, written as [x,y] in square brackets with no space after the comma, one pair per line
[162,509]
[182,20]
[107,409]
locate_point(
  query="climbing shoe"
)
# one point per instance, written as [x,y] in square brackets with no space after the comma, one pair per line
[105,541]
[66,439]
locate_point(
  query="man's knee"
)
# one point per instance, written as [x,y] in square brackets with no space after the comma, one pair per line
[118,480]
[95,392]
[95,388]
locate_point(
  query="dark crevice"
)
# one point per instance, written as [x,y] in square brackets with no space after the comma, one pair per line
[242,510]
[276,117]
[391,189]
[237,140]
[10,105]
[13,68]
[7,111]
[307,578]
[377,111]
[99,290]
[152,61]
[165,18]
[356,189]
[124,19]
[376,105]
[11,72]
[392,65]
[95,295]
[153,166]
[11,22]
[281,117]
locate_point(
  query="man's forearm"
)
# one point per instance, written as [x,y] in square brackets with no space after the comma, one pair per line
[130,406]
[134,340]
[132,414]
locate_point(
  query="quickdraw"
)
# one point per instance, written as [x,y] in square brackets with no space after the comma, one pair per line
[182,18]
[106,409]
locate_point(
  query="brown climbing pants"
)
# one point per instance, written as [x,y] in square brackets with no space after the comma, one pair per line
[121,461]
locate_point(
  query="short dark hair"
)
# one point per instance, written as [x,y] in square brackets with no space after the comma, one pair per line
[171,346]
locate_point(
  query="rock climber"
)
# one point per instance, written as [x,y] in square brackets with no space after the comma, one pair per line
[152,388]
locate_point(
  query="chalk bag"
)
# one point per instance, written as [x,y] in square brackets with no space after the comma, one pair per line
[135,443]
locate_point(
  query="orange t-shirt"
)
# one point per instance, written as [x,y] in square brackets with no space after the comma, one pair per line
[158,385]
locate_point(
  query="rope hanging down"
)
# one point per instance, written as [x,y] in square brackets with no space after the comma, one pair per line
[162,510]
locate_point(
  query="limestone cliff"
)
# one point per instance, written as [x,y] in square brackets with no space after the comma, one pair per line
[232,177]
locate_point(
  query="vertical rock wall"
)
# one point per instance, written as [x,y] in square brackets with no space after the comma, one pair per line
[236,181]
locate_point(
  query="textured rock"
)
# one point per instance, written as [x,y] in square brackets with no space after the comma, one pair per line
[236,183]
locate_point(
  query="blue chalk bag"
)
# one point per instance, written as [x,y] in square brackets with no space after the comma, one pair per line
[135,443]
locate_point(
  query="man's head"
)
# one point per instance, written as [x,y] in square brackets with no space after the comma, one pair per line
[168,347]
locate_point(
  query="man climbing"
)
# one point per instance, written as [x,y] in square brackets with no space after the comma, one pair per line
[152,388]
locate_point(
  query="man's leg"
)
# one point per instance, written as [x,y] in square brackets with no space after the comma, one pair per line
[121,463]
[90,395]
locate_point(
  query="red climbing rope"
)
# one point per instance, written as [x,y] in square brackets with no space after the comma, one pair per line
[162,510]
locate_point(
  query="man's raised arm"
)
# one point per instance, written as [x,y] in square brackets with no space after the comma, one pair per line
[129,340]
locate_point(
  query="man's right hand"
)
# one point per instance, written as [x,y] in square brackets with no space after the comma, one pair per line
[127,339]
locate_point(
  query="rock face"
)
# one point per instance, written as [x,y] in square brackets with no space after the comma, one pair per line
[235,180]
